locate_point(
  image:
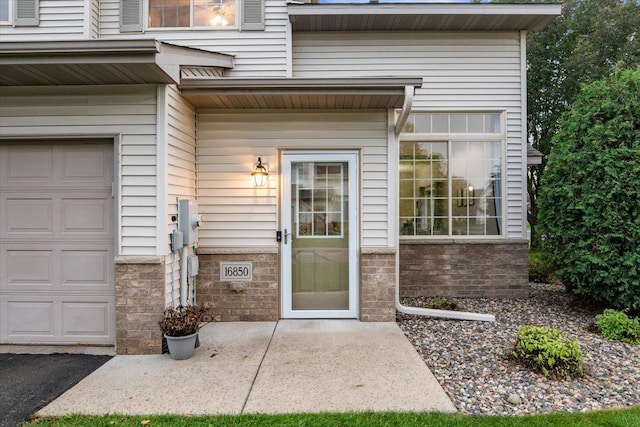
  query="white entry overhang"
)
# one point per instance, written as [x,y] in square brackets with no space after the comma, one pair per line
[99,62]
[299,93]
[422,17]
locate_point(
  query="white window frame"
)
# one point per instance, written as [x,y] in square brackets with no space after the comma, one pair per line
[191,27]
[9,13]
[452,138]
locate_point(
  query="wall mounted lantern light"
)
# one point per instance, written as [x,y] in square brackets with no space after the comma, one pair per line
[260,174]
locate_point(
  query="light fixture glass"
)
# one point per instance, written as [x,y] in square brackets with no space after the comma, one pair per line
[260,174]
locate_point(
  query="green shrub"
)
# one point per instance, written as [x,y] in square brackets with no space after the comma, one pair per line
[548,351]
[445,304]
[616,325]
[539,269]
[590,198]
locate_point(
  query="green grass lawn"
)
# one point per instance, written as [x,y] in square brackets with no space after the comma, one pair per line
[612,418]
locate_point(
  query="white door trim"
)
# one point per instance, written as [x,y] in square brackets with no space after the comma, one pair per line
[351,157]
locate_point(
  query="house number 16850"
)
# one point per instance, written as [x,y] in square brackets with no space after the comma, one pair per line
[235,270]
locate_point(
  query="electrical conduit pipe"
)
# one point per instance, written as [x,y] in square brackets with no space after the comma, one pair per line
[183,276]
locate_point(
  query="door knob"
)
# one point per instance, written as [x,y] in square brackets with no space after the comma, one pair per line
[286,236]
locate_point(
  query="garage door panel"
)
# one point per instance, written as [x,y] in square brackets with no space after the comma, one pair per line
[26,164]
[80,215]
[31,318]
[57,319]
[87,163]
[27,269]
[57,243]
[89,268]
[68,267]
[90,217]
[28,216]
[86,319]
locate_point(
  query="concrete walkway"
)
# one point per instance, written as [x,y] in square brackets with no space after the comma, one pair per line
[267,367]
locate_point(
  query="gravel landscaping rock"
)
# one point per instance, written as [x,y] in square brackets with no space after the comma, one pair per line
[470,359]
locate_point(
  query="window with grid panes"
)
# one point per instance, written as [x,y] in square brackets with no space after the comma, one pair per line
[451,175]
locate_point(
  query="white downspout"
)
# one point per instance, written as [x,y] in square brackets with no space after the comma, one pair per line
[406,109]
[432,312]
[418,311]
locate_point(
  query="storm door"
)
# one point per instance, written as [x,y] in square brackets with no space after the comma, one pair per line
[320,235]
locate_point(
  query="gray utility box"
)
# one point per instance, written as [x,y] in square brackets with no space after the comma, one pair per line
[188,220]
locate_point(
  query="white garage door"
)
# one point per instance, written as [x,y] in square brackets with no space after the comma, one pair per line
[56,243]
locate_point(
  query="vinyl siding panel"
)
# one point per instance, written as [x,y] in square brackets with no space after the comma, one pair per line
[59,20]
[257,53]
[460,70]
[128,111]
[235,214]
[181,174]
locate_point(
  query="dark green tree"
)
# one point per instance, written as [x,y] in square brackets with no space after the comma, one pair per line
[590,194]
[589,40]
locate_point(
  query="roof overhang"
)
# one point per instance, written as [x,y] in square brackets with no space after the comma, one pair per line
[299,93]
[89,62]
[422,17]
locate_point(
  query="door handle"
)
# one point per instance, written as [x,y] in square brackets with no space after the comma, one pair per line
[286,236]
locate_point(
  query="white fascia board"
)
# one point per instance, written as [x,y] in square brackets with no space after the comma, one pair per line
[444,9]
[306,83]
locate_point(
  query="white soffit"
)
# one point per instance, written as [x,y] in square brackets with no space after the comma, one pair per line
[299,93]
[422,17]
[101,62]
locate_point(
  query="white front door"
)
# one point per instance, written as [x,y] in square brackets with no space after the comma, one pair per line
[320,235]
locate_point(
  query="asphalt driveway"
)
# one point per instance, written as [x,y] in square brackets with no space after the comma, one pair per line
[28,382]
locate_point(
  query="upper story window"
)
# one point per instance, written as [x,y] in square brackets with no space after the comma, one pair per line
[451,177]
[5,12]
[192,13]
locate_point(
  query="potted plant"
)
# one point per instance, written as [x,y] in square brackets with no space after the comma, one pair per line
[180,326]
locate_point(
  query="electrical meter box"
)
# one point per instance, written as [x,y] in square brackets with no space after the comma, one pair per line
[188,220]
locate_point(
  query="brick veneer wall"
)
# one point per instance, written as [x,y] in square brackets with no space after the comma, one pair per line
[139,304]
[458,268]
[377,286]
[260,299]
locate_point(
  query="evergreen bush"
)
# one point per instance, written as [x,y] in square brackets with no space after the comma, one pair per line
[539,269]
[590,198]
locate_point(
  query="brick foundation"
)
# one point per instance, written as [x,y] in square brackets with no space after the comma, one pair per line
[455,268]
[260,299]
[139,304]
[377,286]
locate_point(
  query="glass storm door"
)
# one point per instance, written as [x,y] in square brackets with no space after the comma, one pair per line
[320,235]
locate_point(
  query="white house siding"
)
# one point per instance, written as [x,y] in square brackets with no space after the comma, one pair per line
[59,20]
[181,173]
[257,53]
[235,214]
[461,71]
[126,111]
